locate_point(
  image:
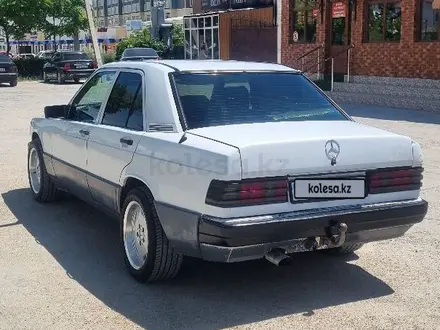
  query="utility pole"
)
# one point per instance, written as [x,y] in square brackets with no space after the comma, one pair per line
[93,33]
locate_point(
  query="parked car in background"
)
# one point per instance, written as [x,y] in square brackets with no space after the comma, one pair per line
[68,65]
[8,71]
[26,56]
[226,161]
[139,54]
[8,54]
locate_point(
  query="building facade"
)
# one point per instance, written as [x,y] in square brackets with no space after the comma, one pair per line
[230,30]
[396,38]
[111,13]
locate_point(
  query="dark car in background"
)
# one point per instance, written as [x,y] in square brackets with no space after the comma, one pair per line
[8,71]
[68,65]
[8,54]
[139,54]
[45,55]
[25,56]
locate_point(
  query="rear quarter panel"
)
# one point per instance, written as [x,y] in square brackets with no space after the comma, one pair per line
[179,174]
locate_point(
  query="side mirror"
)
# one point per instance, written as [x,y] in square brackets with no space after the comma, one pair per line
[56,111]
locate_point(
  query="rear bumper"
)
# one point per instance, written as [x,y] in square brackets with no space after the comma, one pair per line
[247,238]
[79,73]
[251,238]
[7,77]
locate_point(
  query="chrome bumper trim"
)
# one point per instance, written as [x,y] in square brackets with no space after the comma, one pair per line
[318,213]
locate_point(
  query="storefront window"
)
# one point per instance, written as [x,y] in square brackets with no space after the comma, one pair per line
[338,31]
[429,20]
[303,21]
[201,38]
[384,21]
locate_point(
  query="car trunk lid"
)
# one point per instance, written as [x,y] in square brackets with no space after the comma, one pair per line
[79,64]
[302,148]
[7,66]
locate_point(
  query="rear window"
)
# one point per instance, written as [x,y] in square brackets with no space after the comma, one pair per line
[75,56]
[140,52]
[240,98]
[4,58]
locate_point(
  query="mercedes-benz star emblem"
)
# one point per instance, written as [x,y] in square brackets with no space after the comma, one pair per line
[332,150]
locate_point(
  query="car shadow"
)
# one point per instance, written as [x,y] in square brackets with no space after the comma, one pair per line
[383,113]
[205,295]
[54,82]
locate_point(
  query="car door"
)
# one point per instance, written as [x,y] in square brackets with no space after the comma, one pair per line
[69,148]
[113,141]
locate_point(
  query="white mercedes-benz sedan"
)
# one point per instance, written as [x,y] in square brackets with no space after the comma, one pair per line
[226,161]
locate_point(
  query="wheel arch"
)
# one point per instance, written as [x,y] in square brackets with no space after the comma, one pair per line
[130,183]
[180,227]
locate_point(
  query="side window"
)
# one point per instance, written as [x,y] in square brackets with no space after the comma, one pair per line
[86,105]
[124,106]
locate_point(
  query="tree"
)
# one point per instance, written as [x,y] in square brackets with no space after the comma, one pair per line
[177,35]
[140,39]
[18,17]
[64,17]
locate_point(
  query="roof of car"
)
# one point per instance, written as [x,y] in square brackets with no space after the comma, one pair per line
[205,65]
[65,51]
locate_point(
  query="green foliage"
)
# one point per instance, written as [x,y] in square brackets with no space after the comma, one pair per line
[18,17]
[143,39]
[140,39]
[30,67]
[64,17]
[108,58]
[178,36]
[90,53]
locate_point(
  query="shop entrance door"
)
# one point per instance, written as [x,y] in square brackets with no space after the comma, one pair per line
[340,36]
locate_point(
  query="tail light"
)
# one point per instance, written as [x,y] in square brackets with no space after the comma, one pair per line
[393,180]
[67,67]
[247,192]
[94,65]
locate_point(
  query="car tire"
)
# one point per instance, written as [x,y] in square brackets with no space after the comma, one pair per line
[344,249]
[46,190]
[13,83]
[76,80]
[156,260]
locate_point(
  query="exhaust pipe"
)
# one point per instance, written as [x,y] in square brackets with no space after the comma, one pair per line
[278,258]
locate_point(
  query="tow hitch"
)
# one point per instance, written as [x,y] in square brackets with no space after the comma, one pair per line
[335,237]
